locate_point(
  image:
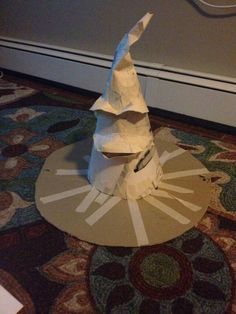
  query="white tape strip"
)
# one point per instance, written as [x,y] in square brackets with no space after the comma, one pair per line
[167,156]
[103,210]
[87,201]
[87,158]
[185,173]
[65,194]
[187,204]
[163,157]
[161,193]
[8,303]
[71,172]
[167,210]
[101,199]
[174,188]
[138,224]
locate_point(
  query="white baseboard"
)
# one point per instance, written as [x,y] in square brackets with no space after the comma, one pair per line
[195,94]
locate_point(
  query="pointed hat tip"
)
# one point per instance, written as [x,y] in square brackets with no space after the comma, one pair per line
[119,95]
[138,29]
[147,18]
[149,14]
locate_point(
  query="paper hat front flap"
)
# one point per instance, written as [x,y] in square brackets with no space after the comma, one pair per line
[123,92]
[127,133]
[129,177]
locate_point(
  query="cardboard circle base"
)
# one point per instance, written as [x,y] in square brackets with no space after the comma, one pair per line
[65,198]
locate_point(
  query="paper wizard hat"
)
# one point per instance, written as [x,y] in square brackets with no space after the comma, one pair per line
[147,192]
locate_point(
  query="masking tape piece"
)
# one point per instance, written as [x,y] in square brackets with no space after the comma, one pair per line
[185,173]
[65,194]
[138,224]
[174,188]
[101,199]
[99,213]
[71,172]
[163,157]
[167,210]
[187,204]
[167,156]
[161,193]
[87,201]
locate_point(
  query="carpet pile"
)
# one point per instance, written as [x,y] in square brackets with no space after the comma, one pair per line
[49,271]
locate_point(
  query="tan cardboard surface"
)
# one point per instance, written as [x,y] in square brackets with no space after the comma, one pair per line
[182,201]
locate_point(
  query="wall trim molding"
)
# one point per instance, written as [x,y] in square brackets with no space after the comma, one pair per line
[201,95]
[159,70]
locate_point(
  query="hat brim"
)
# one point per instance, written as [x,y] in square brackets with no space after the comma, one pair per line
[177,205]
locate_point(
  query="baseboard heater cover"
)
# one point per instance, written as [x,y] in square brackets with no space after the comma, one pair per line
[186,93]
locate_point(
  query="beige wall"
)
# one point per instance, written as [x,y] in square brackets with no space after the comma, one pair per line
[178,36]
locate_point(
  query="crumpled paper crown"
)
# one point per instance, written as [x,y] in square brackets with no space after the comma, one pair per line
[124,160]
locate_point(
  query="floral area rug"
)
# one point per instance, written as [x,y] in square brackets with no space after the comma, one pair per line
[10,92]
[49,271]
